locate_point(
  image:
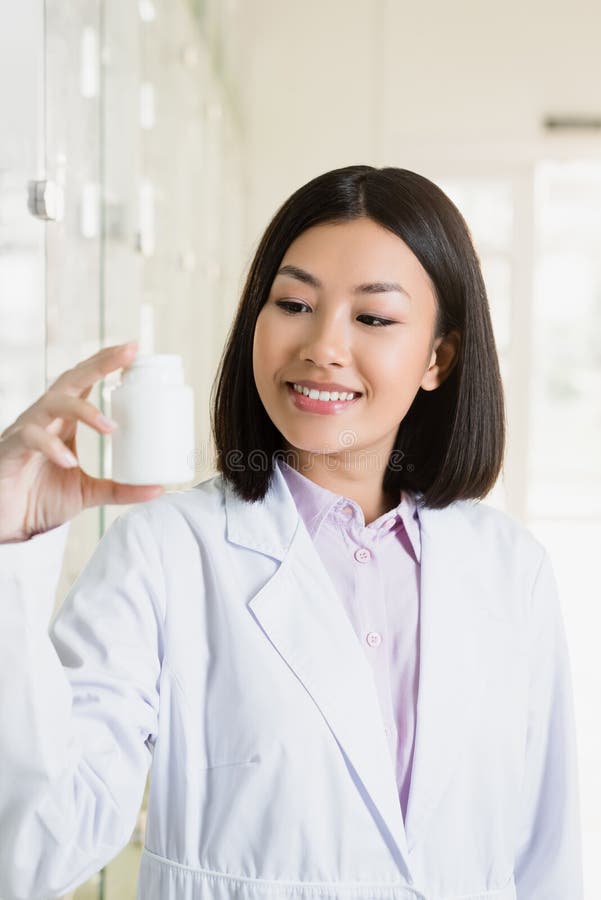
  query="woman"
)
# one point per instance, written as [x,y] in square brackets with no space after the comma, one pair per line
[350,676]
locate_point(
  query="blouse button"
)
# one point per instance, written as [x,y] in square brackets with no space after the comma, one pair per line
[374,639]
[362,555]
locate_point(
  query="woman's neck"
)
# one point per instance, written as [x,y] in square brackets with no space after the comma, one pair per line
[364,486]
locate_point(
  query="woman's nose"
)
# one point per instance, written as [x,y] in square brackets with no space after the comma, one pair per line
[327,343]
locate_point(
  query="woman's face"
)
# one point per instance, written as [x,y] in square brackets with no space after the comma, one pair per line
[324,322]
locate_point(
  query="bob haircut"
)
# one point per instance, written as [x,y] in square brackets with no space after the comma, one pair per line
[451,441]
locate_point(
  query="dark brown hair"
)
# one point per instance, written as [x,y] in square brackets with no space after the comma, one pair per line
[452,439]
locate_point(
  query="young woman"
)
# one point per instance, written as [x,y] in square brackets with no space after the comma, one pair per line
[350,675]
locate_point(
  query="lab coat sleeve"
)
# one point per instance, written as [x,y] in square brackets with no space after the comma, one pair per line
[548,862]
[79,701]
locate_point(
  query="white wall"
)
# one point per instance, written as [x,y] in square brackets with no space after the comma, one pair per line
[478,67]
[329,83]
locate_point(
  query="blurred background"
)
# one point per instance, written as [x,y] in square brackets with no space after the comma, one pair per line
[145,145]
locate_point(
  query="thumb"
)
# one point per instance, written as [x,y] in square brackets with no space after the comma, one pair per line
[101,491]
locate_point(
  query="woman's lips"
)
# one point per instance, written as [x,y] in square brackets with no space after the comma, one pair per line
[323,407]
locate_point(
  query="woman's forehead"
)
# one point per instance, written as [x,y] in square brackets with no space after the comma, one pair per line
[359,256]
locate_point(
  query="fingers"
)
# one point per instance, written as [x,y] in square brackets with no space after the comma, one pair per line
[85,374]
[35,438]
[63,400]
[55,405]
[100,491]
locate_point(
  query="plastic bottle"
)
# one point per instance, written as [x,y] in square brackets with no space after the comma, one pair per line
[154,409]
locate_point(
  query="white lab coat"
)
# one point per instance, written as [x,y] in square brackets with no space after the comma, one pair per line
[205,636]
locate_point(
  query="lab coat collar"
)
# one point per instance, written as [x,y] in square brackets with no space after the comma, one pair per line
[316,503]
[303,617]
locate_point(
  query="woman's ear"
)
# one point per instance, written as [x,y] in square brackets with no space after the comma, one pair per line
[444,355]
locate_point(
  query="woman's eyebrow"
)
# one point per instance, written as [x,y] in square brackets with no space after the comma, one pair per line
[375,287]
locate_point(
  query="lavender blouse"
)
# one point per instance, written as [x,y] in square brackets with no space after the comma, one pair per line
[375,570]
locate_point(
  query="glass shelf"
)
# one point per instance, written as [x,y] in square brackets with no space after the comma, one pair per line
[128,112]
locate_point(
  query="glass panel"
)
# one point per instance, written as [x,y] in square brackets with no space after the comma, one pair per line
[487,205]
[137,129]
[22,237]
[567,541]
[74,245]
[565,445]
[173,186]
[565,467]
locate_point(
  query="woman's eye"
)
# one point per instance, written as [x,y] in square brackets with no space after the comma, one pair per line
[380,322]
[286,304]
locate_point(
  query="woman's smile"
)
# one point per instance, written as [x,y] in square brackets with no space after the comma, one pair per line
[321,407]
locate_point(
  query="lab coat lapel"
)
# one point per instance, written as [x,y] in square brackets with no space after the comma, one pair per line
[456,629]
[301,614]
[303,617]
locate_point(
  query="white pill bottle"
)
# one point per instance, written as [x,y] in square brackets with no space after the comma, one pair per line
[154,409]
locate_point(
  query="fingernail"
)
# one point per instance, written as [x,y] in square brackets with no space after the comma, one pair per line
[70,459]
[108,423]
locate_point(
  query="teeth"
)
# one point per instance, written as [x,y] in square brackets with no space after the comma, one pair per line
[314,394]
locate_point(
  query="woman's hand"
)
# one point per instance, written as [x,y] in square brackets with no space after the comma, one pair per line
[39,487]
